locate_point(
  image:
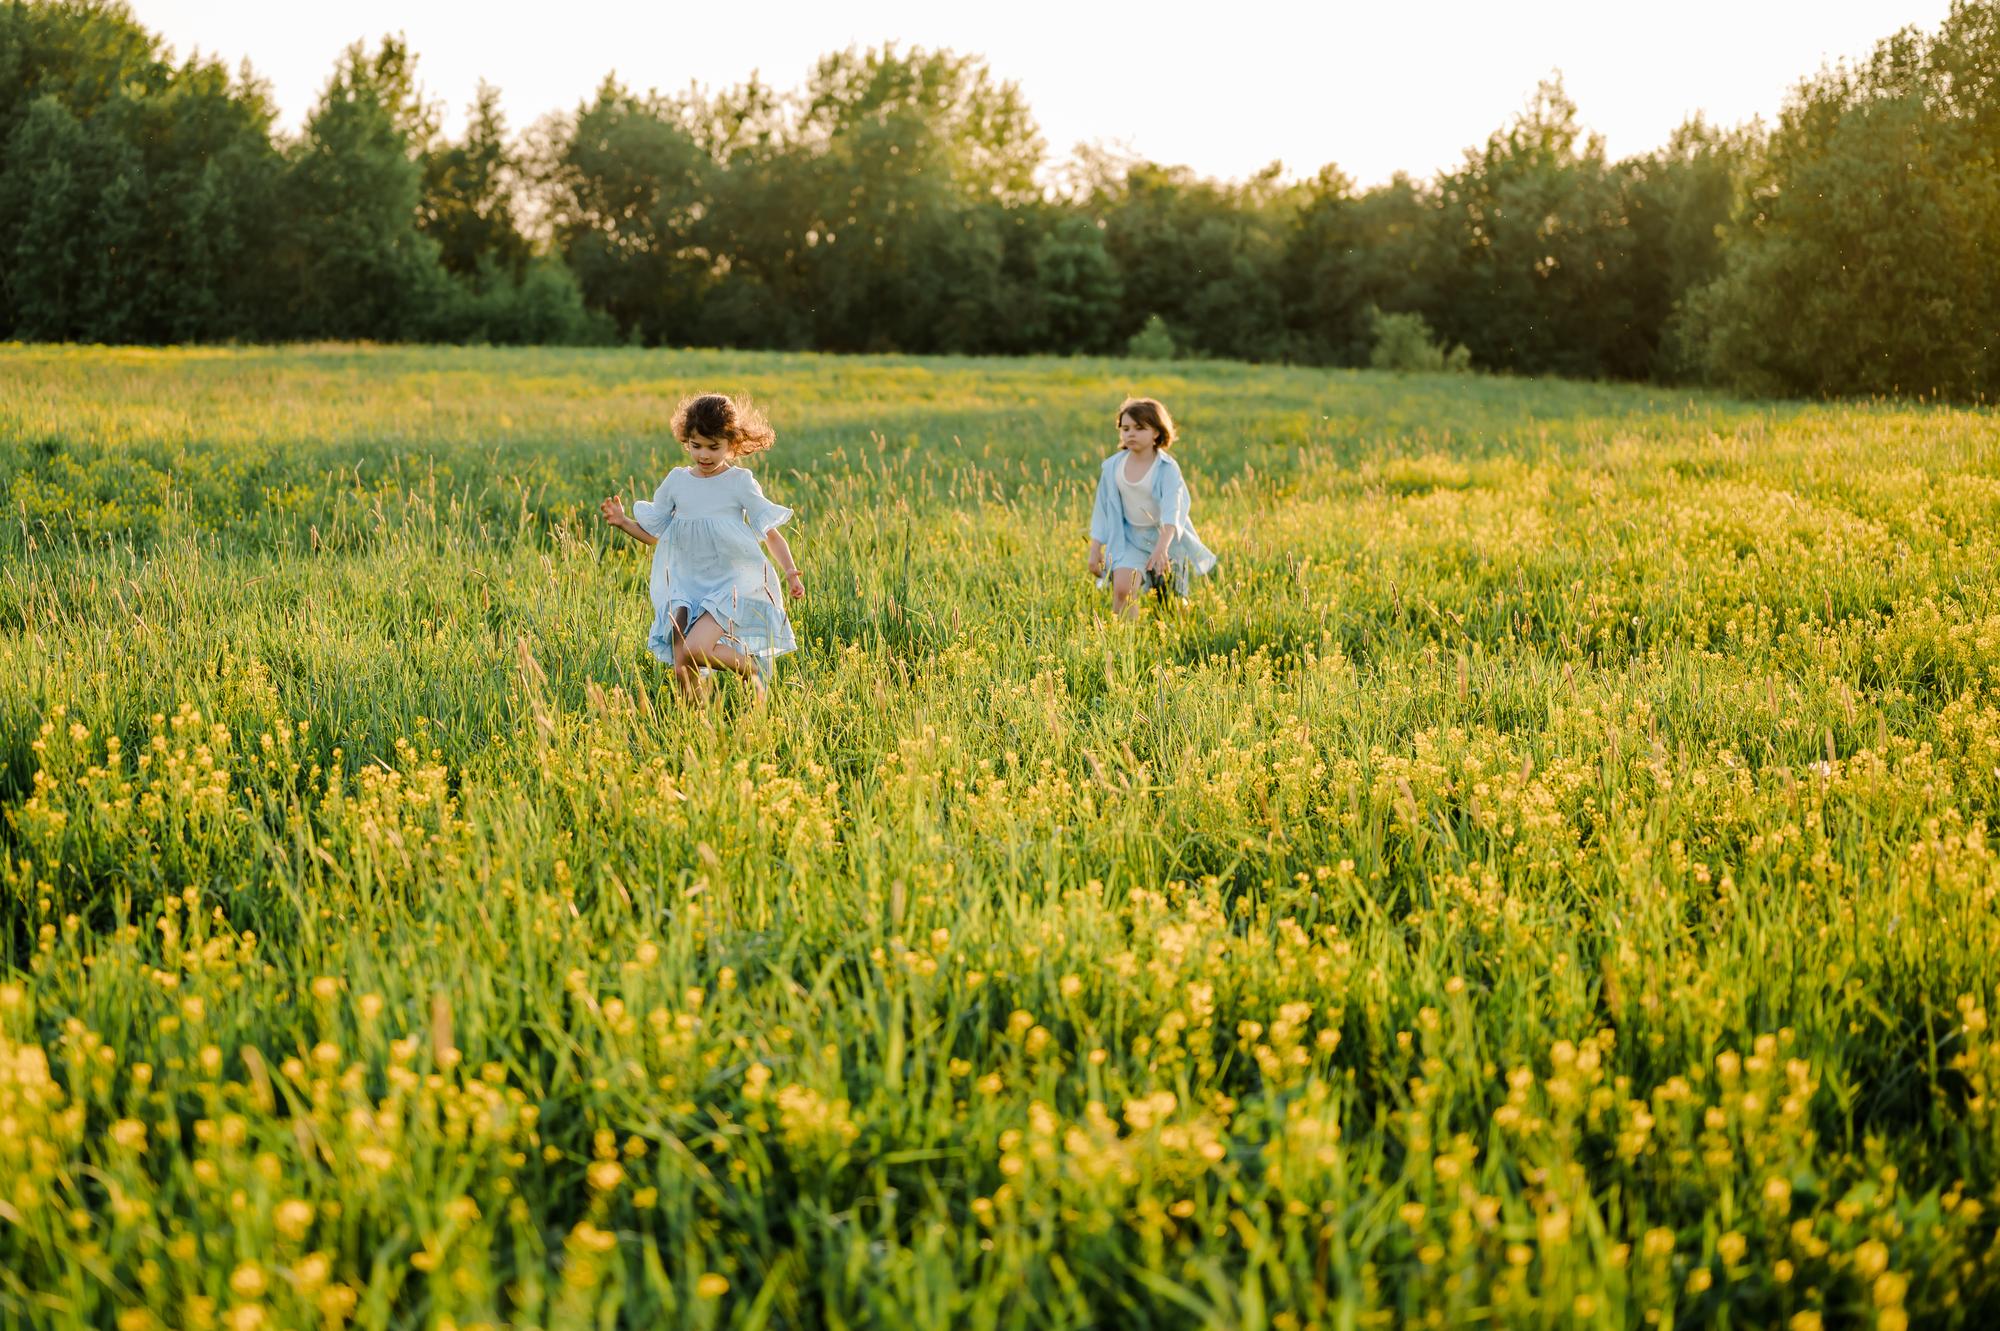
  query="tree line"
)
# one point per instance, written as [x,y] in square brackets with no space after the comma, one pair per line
[904,200]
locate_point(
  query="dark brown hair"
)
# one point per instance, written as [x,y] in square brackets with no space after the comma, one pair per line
[738,425]
[1148,414]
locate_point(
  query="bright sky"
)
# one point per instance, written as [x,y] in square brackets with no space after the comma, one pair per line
[1223,87]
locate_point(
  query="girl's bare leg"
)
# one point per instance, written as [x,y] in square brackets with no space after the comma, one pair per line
[687,675]
[703,646]
[1124,592]
[687,672]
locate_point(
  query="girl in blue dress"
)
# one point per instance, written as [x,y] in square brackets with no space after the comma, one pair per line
[1140,532]
[716,604]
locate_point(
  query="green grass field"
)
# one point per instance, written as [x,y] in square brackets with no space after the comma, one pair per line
[1545,878]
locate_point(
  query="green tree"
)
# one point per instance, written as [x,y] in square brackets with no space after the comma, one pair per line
[916,162]
[1678,200]
[69,203]
[135,195]
[1863,259]
[1404,342]
[760,220]
[1077,285]
[358,262]
[1537,278]
[627,186]
[1402,258]
[499,290]
[881,254]
[83,53]
[1153,341]
[1206,256]
[1321,272]
[470,197]
[981,132]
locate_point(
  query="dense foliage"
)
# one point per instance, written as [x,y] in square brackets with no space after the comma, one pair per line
[1546,878]
[903,200]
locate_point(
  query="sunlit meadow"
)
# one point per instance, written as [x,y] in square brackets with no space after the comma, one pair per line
[1544,879]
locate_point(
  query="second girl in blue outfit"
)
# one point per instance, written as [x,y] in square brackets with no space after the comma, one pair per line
[1141,534]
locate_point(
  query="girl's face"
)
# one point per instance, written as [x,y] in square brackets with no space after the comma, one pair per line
[707,456]
[1135,437]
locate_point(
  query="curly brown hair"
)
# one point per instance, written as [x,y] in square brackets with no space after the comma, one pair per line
[713,416]
[1148,414]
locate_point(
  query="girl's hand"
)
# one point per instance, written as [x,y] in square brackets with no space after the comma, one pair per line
[613,510]
[1097,563]
[1161,562]
[796,585]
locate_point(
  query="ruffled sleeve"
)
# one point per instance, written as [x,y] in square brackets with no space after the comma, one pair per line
[657,513]
[1107,512]
[759,512]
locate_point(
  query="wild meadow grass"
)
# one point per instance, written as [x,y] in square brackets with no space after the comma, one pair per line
[1546,878]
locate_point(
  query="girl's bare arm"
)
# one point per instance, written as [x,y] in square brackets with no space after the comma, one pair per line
[614,513]
[782,554]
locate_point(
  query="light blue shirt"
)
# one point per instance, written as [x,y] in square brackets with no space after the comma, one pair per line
[1128,546]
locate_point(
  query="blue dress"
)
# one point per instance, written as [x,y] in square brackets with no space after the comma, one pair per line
[1127,546]
[709,562]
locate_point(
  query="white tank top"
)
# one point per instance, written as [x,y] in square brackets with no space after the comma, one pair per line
[1141,508]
